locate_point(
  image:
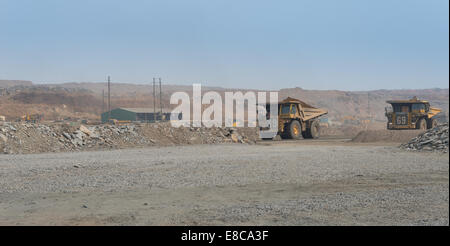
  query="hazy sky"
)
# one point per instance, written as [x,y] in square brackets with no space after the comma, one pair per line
[314,44]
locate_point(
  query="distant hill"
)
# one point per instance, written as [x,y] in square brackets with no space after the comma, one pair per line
[11,83]
[85,100]
[344,105]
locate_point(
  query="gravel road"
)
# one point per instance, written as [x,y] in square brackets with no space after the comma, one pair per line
[227,184]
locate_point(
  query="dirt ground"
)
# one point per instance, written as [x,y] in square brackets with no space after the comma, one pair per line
[384,135]
[319,182]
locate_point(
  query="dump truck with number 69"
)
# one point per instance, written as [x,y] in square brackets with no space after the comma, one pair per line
[411,114]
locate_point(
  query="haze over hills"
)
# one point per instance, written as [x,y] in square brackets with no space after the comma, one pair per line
[11,83]
[345,105]
[84,100]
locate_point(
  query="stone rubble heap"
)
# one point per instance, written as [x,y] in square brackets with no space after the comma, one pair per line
[18,138]
[435,139]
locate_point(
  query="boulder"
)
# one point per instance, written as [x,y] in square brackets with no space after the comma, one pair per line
[86,131]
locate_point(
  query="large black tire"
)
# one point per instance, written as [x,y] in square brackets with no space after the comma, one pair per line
[293,130]
[432,123]
[313,131]
[421,124]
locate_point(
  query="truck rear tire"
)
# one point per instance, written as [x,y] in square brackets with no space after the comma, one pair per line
[293,130]
[313,131]
[421,124]
[432,123]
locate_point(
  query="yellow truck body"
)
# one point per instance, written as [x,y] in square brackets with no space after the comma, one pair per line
[411,114]
[298,119]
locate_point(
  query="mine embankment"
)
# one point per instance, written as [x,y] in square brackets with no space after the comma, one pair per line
[25,138]
[384,135]
[434,139]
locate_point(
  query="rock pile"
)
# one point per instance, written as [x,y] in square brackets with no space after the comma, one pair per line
[435,139]
[24,138]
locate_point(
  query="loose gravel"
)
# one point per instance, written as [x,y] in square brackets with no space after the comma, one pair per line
[227,184]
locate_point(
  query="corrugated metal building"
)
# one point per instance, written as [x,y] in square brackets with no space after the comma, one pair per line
[137,114]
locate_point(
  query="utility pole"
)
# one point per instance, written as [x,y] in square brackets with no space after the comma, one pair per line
[103,100]
[160,98]
[154,100]
[109,98]
[368,105]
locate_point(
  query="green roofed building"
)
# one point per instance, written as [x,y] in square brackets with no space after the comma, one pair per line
[137,114]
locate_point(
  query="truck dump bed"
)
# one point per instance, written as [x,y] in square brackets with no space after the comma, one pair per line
[309,112]
[433,112]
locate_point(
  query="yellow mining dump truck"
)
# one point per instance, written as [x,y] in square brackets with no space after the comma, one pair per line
[32,118]
[411,114]
[297,119]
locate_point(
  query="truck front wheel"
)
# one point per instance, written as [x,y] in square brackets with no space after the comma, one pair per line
[294,130]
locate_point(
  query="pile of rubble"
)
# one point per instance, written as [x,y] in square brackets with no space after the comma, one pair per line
[435,139]
[22,138]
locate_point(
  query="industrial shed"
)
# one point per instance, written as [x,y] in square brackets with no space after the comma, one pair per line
[137,114]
